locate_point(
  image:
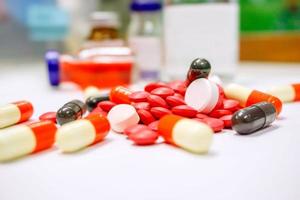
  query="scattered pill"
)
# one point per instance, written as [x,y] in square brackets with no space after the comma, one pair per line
[157,101]
[141,105]
[188,134]
[253,118]
[200,68]
[202,95]
[98,111]
[21,140]
[120,95]
[286,93]
[92,91]
[159,112]
[153,125]
[140,96]
[232,105]
[106,105]
[248,97]
[15,113]
[227,120]
[175,101]
[216,124]
[201,116]
[81,133]
[178,95]
[145,116]
[71,111]
[198,119]
[184,111]
[178,86]
[135,128]
[52,61]
[144,137]
[122,116]
[92,102]
[48,116]
[151,86]
[219,113]
[163,92]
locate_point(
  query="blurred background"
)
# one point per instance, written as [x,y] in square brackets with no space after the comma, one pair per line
[225,32]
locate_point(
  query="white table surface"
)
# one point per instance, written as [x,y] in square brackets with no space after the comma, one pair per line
[262,166]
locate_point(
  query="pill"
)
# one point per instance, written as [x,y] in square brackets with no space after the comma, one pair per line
[286,93]
[21,140]
[92,91]
[81,133]
[120,95]
[53,64]
[71,111]
[92,102]
[216,124]
[188,134]
[232,105]
[106,105]
[202,95]
[98,111]
[151,86]
[219,113]
[122,116]
[14,113]
[221,98]
[175,101]
[141,105]
[227,120]
[153,125]
[145,116]
[135,128]
[253,118]
[48,116]
[163,92]
[159,112]
[201,116]
[198,119]
[200,68]
[184,111]
[140,96]
[178,86]
[144,137]
[178,95]
[248,97]
[157,101]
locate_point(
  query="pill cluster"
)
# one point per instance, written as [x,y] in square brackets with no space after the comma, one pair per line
[185,114]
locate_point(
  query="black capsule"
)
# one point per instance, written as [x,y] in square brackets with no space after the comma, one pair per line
[71,111]
[92,102]
[200,68]
[253,118]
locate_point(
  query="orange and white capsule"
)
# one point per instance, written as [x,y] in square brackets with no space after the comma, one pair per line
[248,97]
[25,139]
[14,113]
[188,134]
[81,133]
[286,93]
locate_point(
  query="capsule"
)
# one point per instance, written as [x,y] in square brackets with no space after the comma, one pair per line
[253,118]
[248,97]
[14,113]
[120,95]
[200,68]
[92,102]
[188,134]
[81,133]
[21,140]
[71,111]
[91,91]
[287,93]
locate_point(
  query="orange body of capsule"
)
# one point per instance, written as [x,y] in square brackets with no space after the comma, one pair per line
[120,95]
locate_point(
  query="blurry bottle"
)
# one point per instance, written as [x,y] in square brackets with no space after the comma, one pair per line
[144,37]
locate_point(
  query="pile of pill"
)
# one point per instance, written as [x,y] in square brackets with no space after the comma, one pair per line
[185,114]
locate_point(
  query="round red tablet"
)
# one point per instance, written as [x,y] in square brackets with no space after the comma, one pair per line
[140,96]
[135,128]
[141,105]
[216,124]
[219,113]
[106,105]
[201,116]
[230,104]
[159,112]
[151,86]
[51,116]
[157,101]
[227,120]
[144,137]
[145,116]
[175,101]
[154,125]
[98,111]
[178,95]
[178,86]
[184,110]
[163,92]
[199,120]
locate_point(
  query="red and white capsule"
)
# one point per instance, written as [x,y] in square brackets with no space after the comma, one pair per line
[81,133]
[15,113]
[286,93]
[20,140]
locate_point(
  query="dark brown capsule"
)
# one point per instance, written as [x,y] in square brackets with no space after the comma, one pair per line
[92,102]
[71,111]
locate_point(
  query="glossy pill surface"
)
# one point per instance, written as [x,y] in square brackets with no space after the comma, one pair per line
[227,121]
[184,110]
[159,112]
[216,124]
[48,116]
[140,96]
[253,118]
[163,92]
[141,105]
[106,105]
[71,111]
[200,68]
[92,102]
[15,113]
[120,95]
[144,137]
[145,116]
[151,86]
[175,101]
[157,101]
[135,128]
[286,93]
